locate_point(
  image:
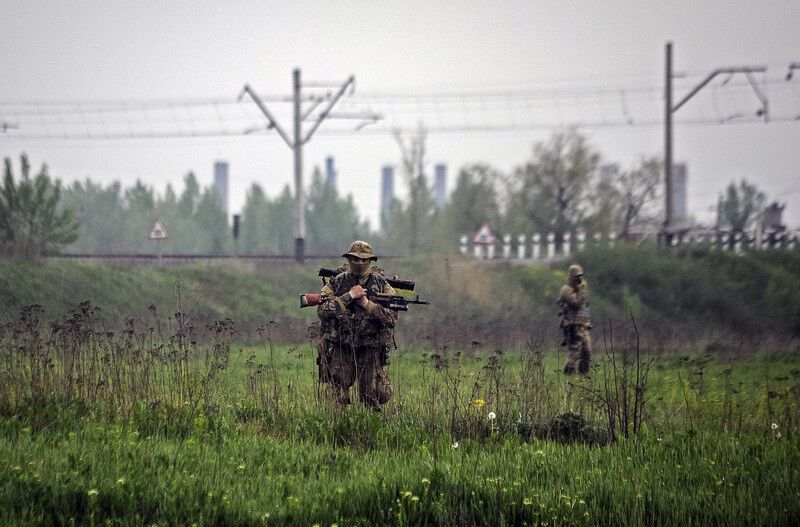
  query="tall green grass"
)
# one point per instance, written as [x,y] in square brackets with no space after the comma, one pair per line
[288,457]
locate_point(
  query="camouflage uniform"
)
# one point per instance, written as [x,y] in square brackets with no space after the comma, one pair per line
[355,341]
[576,322]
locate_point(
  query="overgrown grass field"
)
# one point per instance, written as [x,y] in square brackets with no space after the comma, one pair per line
[217,434]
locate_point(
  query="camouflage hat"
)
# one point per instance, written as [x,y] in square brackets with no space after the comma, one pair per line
[575,270]
[360,249]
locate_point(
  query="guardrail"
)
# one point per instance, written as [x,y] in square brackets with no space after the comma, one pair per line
[543,246]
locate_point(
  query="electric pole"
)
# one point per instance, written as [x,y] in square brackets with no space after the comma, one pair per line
[299,192]
[296,142]
[668,148]
[669,110]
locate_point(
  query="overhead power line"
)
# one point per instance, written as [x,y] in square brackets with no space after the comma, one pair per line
[493,109]
[433,129]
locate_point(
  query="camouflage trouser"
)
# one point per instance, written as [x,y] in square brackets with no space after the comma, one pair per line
[579,346]
[341,365]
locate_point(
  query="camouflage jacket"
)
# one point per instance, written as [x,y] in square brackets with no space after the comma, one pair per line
[573,302]
[344,321]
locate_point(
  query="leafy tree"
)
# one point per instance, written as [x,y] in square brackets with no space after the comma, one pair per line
[332,222]
[549,193]
[255,221]
[170,200]
[741,206]
[212,221]
[473,201]
[31,222]
[100,213]
[190,196]
[117,220]
[281,234]
[606,203]
[140,197]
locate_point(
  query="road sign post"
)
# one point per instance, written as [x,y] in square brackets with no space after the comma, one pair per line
[158,233]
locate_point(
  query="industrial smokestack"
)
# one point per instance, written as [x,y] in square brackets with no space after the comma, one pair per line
[330,173]
[387,192]
[440,185]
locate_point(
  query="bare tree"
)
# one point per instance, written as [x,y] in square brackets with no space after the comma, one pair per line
[420,200]
[741,206]
[638,189]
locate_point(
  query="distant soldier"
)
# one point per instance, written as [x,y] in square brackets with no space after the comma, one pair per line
[575,321]
[356,332]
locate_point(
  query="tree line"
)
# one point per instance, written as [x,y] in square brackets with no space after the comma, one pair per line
[559,189]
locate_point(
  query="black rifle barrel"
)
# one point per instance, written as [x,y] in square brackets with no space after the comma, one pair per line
[406,285]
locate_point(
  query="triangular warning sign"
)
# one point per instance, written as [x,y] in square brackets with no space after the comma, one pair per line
[158,232]
[484,236]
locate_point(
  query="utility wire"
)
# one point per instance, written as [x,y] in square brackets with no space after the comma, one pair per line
[377,130]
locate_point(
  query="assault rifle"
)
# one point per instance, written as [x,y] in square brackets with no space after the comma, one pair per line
[393,302]
[395,282]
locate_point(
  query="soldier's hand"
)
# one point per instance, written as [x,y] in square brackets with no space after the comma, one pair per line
[363,301]
[357,292]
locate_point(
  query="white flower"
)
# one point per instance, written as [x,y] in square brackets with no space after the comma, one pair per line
[778,435]
[774,426]
[492,416]
[454,445]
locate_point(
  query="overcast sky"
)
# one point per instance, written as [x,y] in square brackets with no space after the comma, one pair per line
[134,51]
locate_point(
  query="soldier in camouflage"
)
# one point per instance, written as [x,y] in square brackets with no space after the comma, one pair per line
[575,321]
[356,332]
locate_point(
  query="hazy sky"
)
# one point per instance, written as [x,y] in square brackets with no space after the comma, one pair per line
[137,51]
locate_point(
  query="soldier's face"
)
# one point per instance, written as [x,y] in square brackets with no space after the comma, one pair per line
[359,266]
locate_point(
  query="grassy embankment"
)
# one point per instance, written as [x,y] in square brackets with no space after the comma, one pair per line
[706,299]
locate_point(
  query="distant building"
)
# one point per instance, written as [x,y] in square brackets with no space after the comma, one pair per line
[440,185]
[221,183]
[387,191]
[330,173]
[679,182]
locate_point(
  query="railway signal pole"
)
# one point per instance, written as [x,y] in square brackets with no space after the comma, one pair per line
[669,110]
[298,139]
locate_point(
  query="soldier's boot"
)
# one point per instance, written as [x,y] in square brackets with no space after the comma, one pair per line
[573,358]
[585,354]
[367,386]
[341,395]
[369,399]
[383,386]
[583,366]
